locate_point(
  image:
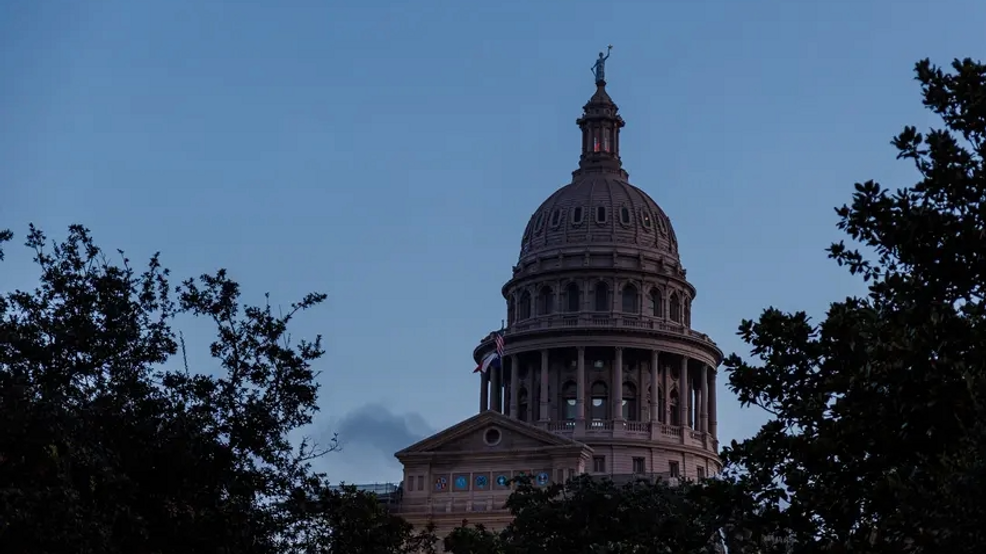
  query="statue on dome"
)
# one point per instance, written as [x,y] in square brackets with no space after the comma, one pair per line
[599,68]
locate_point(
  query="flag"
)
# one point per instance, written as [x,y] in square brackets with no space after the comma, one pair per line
[498,338]
[491,359]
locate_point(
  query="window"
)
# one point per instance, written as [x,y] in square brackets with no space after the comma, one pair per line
[522,404]
[599,394]
[572,300]
[625,215]
[675,414]
[630,299]
[599,464]
[630,402]
[577,215]
[602,297]
[539,223]
[645,217]
[675,308]
[568,391]
[601,214]
[421,482]
[524,307]
[546,301]
[657,302]
[700,472]
[673,469]
[555,218]
[606,140]
[595,144]
[639,465]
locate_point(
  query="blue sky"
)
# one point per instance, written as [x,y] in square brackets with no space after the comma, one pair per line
[390,154]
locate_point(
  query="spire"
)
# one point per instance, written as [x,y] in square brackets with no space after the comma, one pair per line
[600,124]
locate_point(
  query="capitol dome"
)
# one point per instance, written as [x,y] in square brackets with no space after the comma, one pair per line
[599,210]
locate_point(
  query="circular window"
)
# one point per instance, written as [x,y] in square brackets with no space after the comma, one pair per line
[492,436]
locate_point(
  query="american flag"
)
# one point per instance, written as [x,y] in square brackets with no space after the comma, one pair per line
[498,338]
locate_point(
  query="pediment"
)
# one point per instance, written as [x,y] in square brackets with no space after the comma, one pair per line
[489,431]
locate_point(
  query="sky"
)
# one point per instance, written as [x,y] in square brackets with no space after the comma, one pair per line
[390,154]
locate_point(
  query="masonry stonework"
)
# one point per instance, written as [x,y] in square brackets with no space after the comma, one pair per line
[602,371]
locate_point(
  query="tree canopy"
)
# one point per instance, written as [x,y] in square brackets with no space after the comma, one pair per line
[876,438]
[109,442]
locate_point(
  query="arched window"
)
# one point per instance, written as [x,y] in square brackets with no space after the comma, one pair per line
[599,399]
[675,414]
[675,308]
[630,299]
[572,297]
[602,297]
[512,310]
[630,412]
[661,405]
[522,404]
[568,391]
[657,302]
[688,312]
[546,301]
[524,307]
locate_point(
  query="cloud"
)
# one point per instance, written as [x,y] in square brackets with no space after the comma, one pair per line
[369,436]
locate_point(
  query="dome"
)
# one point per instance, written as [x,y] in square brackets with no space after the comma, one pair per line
[599,209]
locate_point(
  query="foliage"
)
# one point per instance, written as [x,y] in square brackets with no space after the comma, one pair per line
[876,441]
[108,444]
[594,516]
[350,521]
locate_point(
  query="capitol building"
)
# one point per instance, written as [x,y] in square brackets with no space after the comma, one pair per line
[598,369]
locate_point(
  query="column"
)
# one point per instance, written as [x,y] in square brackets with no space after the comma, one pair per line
[580,385]
[496,387]
[544,385]
[654,386]
[484,391]
[532,403]
[617,393]
[684,393]
[713,413]
[666,380]
[703,382]
[514,386]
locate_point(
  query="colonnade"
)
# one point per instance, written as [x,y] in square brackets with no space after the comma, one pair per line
[696,409]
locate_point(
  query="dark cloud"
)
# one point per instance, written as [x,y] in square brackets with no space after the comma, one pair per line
[369,436]
[375,427]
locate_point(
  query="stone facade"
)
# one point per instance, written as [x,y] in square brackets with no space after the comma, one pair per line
[602,372]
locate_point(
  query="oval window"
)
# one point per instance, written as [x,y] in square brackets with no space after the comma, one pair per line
[577,215]
[625,215]
[555,218]
[645,217]
[539,223]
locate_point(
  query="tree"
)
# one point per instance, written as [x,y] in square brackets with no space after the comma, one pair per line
[596,516]
[877,435]
[345,520]
[109,444]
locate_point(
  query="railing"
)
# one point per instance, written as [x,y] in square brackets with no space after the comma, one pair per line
[606,321]
[659,432]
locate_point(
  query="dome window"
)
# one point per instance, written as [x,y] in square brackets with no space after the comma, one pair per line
[539,223]
[625,215]
[555,218]
[601,214]
[645,217]
[577,216]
